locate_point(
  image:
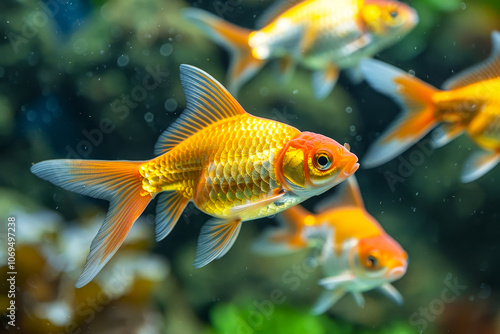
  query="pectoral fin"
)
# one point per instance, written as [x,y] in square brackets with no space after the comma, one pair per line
[391,292]
[255,207]
[216,238]
[331,282]
[324,80]
[358,297]
[327,300]
[478,164]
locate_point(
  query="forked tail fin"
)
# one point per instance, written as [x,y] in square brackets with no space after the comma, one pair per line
[116,181]
[418,118]
[235,39]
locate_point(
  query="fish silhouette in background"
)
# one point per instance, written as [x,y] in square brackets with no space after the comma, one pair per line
[470,103]
[356,254]
[322,35]
[230,164]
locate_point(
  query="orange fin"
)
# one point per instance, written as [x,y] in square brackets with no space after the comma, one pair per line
[216,238]
[478,164]
[418,118]
[488,69]
[324,80]
[289,236]
[116,181]
[274,11]
[348,194]
[446,133]
[207,102]
[243,64]
[168,210]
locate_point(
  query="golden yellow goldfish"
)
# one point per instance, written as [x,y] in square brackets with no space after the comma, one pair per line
[357,255]
[322,35]
[230,164]
[470,103]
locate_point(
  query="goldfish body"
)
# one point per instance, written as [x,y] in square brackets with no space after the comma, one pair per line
[322,35]
[230,164]
[357,254]
[470,103]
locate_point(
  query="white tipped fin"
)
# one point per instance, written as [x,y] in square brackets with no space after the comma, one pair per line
[445,133]
[331,283]
[355,75]
[478,164]
[392,293]
[358,297]
[324,80]
[216,238]
[488,69]
[327,300]
[168,210]
[348,194]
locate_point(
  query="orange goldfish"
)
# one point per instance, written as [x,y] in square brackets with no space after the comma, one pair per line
[357,255]
[322,35]
[230,164]
[470,103]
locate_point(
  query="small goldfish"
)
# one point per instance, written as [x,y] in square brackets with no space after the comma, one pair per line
[357,255]
[230,164]
[469,103]
[322,35]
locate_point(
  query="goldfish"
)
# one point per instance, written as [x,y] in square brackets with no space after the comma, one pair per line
[322,35]
[232,165]
[469,103]
[356,254]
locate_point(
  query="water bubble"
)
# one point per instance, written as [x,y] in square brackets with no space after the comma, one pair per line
[348,110]
[171,105]
[484,291]
[463,6]
[149,117]
[411,72]
[31,116]
[166,49]
[101,52]
[352,128]
[122,61]
[295,92]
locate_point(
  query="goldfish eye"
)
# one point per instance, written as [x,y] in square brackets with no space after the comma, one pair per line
[371,261]
[322,161]
[394,13]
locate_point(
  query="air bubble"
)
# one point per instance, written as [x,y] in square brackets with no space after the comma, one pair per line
[122,61]
[348,110]
[166,49]
[149,117]
[171,105]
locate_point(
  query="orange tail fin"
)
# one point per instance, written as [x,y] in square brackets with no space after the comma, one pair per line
[116,181]
[243,64]
[414,95]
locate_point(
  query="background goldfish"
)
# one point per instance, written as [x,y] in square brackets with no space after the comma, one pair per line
[233,166]
[469,103]
[357,255]
[322,35]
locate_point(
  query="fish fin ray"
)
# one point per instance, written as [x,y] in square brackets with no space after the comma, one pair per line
[445,133]
[392,293]
[327,300]
[418,118]
[274,11]
[168,211]
[348,194]
[324,80]
[257,205]
[243,64]
[358,297]
[478,164]
[486,70]
[116,181]
[207,102]
[216,238]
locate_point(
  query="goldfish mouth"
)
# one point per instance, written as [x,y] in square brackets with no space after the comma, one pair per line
[350,168]
[396,273]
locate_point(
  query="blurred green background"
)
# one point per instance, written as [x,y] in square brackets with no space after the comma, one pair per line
[67,68]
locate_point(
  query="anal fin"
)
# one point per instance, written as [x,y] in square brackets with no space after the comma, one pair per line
[216,238]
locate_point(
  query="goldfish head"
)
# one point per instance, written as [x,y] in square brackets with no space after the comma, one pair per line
[381,258]
[311,164]
[388,19]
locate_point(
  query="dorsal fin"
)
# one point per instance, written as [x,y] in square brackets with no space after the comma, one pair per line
[488,69]
[275,10]
[207,102]
[348,194]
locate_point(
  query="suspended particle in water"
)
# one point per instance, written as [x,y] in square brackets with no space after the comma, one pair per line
[171,105]
[122,61]
[348,110]
[411,72]
[295,92]
[149,117]
[166,49]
